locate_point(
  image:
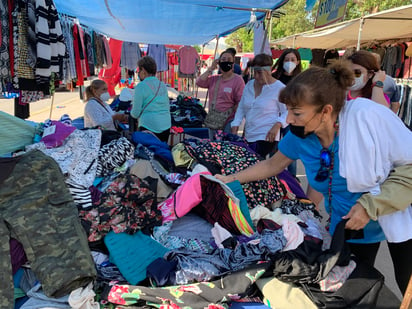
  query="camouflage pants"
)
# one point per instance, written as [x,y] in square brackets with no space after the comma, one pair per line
[38,210]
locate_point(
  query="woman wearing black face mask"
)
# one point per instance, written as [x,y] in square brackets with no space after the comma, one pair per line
[225,91]
[357,154]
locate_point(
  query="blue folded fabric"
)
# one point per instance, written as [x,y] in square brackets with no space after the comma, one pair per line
[237,190]
[133,253]
[155,145]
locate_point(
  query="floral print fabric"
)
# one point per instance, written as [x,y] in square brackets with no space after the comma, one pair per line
[227,158]
[127,205]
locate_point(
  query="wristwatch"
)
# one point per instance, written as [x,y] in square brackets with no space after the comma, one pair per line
[378,84]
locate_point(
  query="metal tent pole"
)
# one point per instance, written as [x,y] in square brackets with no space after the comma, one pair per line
[214,57]
[361,23]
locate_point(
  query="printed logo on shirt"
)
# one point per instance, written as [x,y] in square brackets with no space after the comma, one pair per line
[227,89]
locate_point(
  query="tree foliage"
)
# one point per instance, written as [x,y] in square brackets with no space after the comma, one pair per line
[296,19]
[241,39]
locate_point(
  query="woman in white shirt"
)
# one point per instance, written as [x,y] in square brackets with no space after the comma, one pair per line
[97,112]
[264,115]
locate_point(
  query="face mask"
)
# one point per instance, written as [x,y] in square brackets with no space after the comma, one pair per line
[299,131]
[359,83]
[225,66]
[289,66]
[105,96]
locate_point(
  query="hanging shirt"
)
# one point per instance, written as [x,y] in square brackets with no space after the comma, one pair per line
[188,60]
[260,39]
[158,53]
[260,112]
[131,54]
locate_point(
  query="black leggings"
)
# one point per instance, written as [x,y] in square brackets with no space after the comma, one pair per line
[365,252]
[401,254]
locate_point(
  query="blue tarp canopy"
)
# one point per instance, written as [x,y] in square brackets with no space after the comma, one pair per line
[184,22]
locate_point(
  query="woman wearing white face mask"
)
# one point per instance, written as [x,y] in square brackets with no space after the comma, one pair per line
[97,112]
[259,106]
[288,66]
[368,78]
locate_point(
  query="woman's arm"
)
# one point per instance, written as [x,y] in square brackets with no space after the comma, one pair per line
[396,194]
[273,132]
[377,92]
[208,72]
[262,170]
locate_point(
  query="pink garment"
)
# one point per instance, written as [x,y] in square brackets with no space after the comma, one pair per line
[186,197]
[337,277]
[188,59]
[293,234]
[229,93]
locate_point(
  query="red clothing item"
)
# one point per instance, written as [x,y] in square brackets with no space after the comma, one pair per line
[112,76]
[77,60]
[229,92]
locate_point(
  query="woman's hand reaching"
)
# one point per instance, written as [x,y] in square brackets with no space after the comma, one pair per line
[358,218]
[225,178]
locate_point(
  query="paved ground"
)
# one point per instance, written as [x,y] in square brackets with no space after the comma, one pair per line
[69,103]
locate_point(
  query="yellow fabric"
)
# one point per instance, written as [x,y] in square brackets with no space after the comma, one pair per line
[239,218]
[180,156]
[282,295]
[396,194]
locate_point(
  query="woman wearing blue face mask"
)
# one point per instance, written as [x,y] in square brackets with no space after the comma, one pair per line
[97,112]
[362,176]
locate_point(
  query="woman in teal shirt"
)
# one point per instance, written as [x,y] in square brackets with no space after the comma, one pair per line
[151,105]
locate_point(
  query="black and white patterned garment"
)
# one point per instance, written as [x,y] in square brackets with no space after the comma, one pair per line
[81,196]
[5,73]
[114,155]
[77,157]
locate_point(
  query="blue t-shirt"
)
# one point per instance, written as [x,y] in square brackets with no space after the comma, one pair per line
[308,151]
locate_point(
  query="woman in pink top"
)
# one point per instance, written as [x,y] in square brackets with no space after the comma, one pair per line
[230,86]
[368,78]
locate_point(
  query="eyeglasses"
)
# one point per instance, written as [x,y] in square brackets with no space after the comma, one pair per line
[325,164]
[357,72]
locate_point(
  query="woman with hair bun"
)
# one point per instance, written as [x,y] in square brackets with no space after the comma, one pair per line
[357,154]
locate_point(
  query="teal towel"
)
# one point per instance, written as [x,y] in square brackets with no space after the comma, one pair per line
[237,189]
[133,253]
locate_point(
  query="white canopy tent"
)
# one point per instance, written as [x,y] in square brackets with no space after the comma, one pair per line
[386,25]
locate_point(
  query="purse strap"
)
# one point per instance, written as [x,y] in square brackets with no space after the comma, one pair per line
[141,112]
[215,92]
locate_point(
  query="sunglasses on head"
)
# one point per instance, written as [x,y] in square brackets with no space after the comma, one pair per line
[325,163]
